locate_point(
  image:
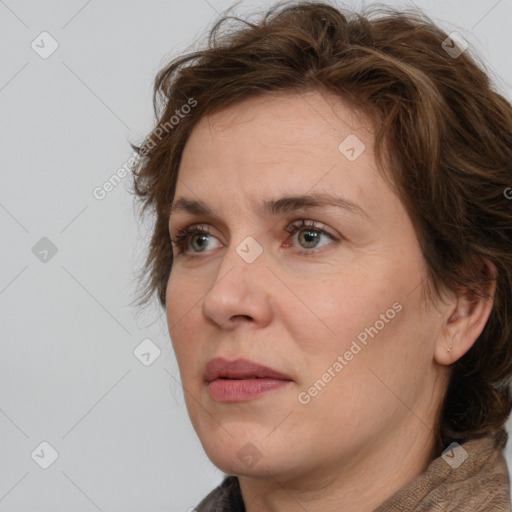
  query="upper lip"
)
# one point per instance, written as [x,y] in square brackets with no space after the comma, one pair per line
[239,368]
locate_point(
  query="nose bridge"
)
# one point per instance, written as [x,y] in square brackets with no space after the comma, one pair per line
[237,290]
[246,239]
[243,257]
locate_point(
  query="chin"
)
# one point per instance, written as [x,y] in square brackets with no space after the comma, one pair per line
[250,455]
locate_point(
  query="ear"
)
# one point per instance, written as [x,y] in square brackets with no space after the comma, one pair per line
[464,321]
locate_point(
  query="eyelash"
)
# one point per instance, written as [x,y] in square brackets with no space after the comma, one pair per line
[182,235]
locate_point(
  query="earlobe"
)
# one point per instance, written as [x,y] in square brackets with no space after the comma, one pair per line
[448,341]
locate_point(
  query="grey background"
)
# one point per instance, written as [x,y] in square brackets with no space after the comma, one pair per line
[68,373]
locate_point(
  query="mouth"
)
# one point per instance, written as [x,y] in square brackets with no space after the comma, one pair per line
[241,380]
[240,369]
[242,390]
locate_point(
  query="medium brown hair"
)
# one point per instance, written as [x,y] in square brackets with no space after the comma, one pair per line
[444,139]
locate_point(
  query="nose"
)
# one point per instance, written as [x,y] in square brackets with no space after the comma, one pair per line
[240,292]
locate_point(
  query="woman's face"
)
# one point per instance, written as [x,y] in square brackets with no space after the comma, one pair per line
[335,307]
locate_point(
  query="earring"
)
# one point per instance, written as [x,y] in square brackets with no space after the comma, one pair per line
[449,349]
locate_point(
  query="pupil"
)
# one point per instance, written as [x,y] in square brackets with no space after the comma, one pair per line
[200,237]
[311,237]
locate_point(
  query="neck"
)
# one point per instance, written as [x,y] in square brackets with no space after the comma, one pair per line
[360,485]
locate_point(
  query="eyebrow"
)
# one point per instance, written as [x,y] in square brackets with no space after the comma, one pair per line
[280,206]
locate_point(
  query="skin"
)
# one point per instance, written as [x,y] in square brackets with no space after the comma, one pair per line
[370,429]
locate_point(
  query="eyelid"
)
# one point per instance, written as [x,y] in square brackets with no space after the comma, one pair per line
[292,228]
[314,225]
[189,230]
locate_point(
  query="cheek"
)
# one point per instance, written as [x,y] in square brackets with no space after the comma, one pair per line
[341,307]
[182,294]
[357,383]
[369,320]
[182,306]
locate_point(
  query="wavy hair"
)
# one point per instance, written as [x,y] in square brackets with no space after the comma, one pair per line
[444,141]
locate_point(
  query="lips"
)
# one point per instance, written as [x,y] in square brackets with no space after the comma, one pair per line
[220,368]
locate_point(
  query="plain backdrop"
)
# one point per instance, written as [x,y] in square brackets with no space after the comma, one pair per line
[89,386]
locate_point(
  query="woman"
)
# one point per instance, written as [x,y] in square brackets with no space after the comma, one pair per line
[333,247]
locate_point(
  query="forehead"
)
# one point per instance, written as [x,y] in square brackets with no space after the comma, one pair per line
[281,118]
[286,142]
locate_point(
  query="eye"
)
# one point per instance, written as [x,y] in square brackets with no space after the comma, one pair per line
[309,234]
[197,237]
[198,234]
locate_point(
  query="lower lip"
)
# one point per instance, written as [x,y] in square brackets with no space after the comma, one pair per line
[232,390]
